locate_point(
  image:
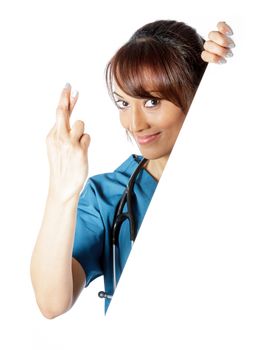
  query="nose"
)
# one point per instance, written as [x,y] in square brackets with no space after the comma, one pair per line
[138,120]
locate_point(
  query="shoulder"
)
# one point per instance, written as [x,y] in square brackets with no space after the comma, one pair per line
[129,164]
[115,181]
[123,171]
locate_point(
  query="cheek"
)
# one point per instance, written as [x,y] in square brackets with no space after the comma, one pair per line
[170,121]
[124,120]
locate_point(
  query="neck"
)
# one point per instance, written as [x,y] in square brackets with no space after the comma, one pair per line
[156,167]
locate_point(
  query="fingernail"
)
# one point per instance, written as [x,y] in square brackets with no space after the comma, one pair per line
[229,32]
[67,85]
[231,45]
[74,93]
[229,54]
[222,61]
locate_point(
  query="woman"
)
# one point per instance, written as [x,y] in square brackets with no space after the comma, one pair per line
[152,80]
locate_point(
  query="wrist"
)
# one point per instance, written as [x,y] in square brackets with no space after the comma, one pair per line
[62,197]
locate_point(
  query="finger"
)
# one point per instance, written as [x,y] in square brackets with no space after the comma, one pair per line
[212,58]
[85,141]
[51,134]
[212,47]
[77,131]
[73,99]
[221,39]
[224,28]
[63,111]
[52,131]
[64,99]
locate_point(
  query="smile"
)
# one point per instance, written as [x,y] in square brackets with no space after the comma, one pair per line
[143,140]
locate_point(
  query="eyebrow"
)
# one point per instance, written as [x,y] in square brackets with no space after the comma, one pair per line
[118,94]
[115,93]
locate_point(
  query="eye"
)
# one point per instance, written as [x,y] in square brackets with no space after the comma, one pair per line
[121,104]
[152,103]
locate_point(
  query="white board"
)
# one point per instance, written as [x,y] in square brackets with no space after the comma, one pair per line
[192,279]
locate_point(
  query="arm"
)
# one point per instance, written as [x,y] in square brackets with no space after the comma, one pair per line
[57,278]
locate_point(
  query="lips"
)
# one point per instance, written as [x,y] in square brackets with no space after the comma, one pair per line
[146,139]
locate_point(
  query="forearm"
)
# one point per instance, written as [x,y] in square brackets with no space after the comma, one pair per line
[51,263]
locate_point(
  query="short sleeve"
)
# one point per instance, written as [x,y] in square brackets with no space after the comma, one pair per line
[89,234]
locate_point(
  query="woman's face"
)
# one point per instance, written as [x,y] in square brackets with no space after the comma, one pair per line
[153,123]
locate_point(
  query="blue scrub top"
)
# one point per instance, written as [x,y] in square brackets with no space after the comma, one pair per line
[95,216]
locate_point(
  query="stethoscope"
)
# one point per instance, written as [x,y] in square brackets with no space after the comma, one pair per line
[120,217]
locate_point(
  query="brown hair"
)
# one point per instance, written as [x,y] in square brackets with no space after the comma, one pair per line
[163,57]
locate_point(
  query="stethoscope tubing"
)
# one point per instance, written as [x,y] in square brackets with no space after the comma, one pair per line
[119,218]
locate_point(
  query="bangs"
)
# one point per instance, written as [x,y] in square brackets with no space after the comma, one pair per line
[144,68]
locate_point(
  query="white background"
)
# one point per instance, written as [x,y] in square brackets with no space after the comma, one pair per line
[44,44]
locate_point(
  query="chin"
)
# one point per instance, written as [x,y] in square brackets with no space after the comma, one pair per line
[154,154]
